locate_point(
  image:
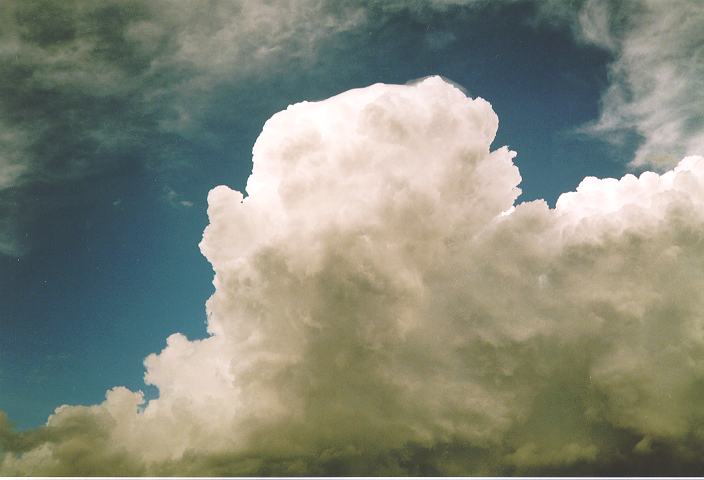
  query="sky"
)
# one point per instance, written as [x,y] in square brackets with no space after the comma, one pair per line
[433,270]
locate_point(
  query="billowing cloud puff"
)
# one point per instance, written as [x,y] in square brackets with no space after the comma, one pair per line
[383,306]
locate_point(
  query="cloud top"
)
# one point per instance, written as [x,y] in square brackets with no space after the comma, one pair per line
[383,306]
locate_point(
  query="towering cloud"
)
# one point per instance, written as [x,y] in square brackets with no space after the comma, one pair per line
[383,306]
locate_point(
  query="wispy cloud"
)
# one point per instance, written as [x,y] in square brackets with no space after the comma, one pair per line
[656,78]
[87,86]
[174,199]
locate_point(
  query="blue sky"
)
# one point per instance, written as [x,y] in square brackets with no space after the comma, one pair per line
[120,147]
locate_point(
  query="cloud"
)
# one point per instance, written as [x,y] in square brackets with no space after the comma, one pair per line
[173,198]
[382,306]
[655,78]
[89,88]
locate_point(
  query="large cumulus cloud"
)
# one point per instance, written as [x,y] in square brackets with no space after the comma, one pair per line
[383,306]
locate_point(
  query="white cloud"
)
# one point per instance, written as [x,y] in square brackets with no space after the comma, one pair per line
[174,199]
[656,79]
[379,293]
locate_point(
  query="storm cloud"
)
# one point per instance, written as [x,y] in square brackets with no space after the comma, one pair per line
[383,305]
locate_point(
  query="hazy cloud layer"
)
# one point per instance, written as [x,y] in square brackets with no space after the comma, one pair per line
[656,78]
[88,88]
[383,307]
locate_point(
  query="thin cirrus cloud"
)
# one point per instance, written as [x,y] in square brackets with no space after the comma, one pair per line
[383,306]
[655,96]
[89,87]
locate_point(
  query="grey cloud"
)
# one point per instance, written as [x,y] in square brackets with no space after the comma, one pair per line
[87,87]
